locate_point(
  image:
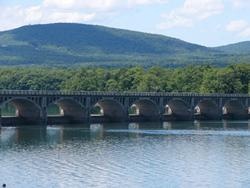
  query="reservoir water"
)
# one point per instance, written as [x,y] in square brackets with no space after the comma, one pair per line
[180,154]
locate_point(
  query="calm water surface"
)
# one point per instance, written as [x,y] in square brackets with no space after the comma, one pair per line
[187,154]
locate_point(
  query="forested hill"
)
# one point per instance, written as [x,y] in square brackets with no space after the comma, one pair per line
[239,48]
[80,44]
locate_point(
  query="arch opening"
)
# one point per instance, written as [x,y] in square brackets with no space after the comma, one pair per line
[207,110]
[234,109]
[96,110]
[53,110]
[178,110]
[108,110]
[144,110]
[8,110]
[66,110]
[21,111]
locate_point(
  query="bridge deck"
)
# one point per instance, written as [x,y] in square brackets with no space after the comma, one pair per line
[99,93]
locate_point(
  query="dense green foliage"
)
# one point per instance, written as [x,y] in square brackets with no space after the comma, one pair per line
[90,45]
[200,79]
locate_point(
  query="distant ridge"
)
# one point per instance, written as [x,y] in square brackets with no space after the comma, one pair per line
[69,44]
[239,48]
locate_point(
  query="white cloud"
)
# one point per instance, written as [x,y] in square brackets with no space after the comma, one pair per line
[240,3]
[174,20]
[59,3]
[146,2]
[191,11]
[246,32]
[236,25]
[32,14]
[202,9]
[39,14]
[69,17]
[50,11]
[81,4]
[101,5]
[240,27]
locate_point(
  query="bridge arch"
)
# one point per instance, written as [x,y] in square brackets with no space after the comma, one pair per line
[178,109]
[71,110]
[207,109]
[111,110]
[146,110]
[234,109]
[26,111]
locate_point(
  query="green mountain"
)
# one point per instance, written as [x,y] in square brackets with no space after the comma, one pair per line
[65,44]
[238,48]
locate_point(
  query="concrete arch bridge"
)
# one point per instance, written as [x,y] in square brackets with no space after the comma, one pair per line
[31,107]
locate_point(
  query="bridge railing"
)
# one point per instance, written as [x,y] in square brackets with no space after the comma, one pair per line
[102,93]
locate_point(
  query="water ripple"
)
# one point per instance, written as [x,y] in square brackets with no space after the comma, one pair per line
[64,157]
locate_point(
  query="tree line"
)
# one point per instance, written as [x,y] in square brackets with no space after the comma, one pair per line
[199,79]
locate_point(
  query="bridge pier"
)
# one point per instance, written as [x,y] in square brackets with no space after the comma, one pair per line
[0,117]
[44,113]
[87,113]
[44,116]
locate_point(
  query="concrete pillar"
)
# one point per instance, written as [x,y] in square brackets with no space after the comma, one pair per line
[44,115]
[0,117]
[220,103]
[87,114]
[220,106]
[247,108]
[162,109]
[126,108]
[88,108]
[192,108]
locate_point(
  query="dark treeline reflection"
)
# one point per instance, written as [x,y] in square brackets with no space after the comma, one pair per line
[60,134]
[200,79]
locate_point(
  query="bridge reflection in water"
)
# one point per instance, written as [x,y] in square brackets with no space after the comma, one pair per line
[31,107]
[59,134]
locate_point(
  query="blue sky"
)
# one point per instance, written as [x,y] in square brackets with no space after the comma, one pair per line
[206,22]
